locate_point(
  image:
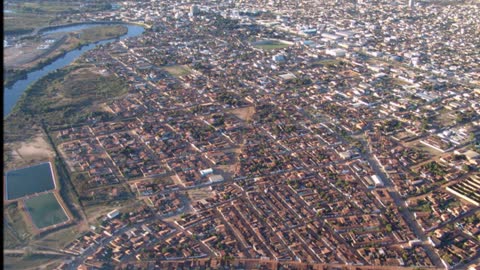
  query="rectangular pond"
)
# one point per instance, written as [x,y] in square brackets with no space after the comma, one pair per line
[28,181]
[45,210]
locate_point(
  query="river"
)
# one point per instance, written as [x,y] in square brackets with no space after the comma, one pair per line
[13,93]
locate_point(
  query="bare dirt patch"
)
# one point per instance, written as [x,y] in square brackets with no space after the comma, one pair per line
[29,52]
[244,113]
[200,194]
[30,152]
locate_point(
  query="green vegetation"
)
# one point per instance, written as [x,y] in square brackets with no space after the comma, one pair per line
[45,210]
[66,189]
[102,32]
[65,97]
[47,7]
[464,117]
[10,76]
[270,44]
[30,261]
[59,239]
[435,168]
[422,206]
[22,23]
[68,43]
[10,239]
[178,70]
[15,224]
[230,99]
[327,62]
[28,15]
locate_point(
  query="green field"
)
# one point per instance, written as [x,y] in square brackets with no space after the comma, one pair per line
[327,62]
[270,44]
[178,70]
[22,23]
[28,15]
[102,32]
[45,210]
[14,226]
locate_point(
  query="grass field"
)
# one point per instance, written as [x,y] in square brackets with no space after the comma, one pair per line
[22,23]
[45,210]
[28,15]
[270,44]
[178,70]
[59,239]
[31,262]
[327,62]
[102,32]
[14,220]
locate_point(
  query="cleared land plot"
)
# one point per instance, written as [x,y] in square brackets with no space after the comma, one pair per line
[178,70]
[270,44]
[102,32]
[45,210]
[245,113]
[14,225]
[327,62]
[22,22]
[28,181]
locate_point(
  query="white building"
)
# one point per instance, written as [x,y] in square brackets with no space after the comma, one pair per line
[113,214]
[336,52]
[206,172]
[378,182]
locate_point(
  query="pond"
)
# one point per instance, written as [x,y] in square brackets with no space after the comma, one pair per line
[30,180]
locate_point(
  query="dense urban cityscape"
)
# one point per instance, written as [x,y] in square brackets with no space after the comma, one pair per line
[280,134]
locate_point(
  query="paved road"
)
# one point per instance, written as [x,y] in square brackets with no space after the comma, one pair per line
[80,259]
[401,206]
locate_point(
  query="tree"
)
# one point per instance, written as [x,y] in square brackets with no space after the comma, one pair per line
[388,228]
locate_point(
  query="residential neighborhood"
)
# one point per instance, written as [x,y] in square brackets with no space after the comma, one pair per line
[284,134]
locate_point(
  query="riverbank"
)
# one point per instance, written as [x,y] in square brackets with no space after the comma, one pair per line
[12,94]
[25,16]
[17,66]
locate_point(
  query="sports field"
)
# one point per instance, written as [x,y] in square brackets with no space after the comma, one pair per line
[270,44]
[178,70]
[45,210]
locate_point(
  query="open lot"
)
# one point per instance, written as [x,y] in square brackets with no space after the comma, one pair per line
[178,70]
[29,152]
[15,226]
[270,44]
[45,210]
[25,16]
